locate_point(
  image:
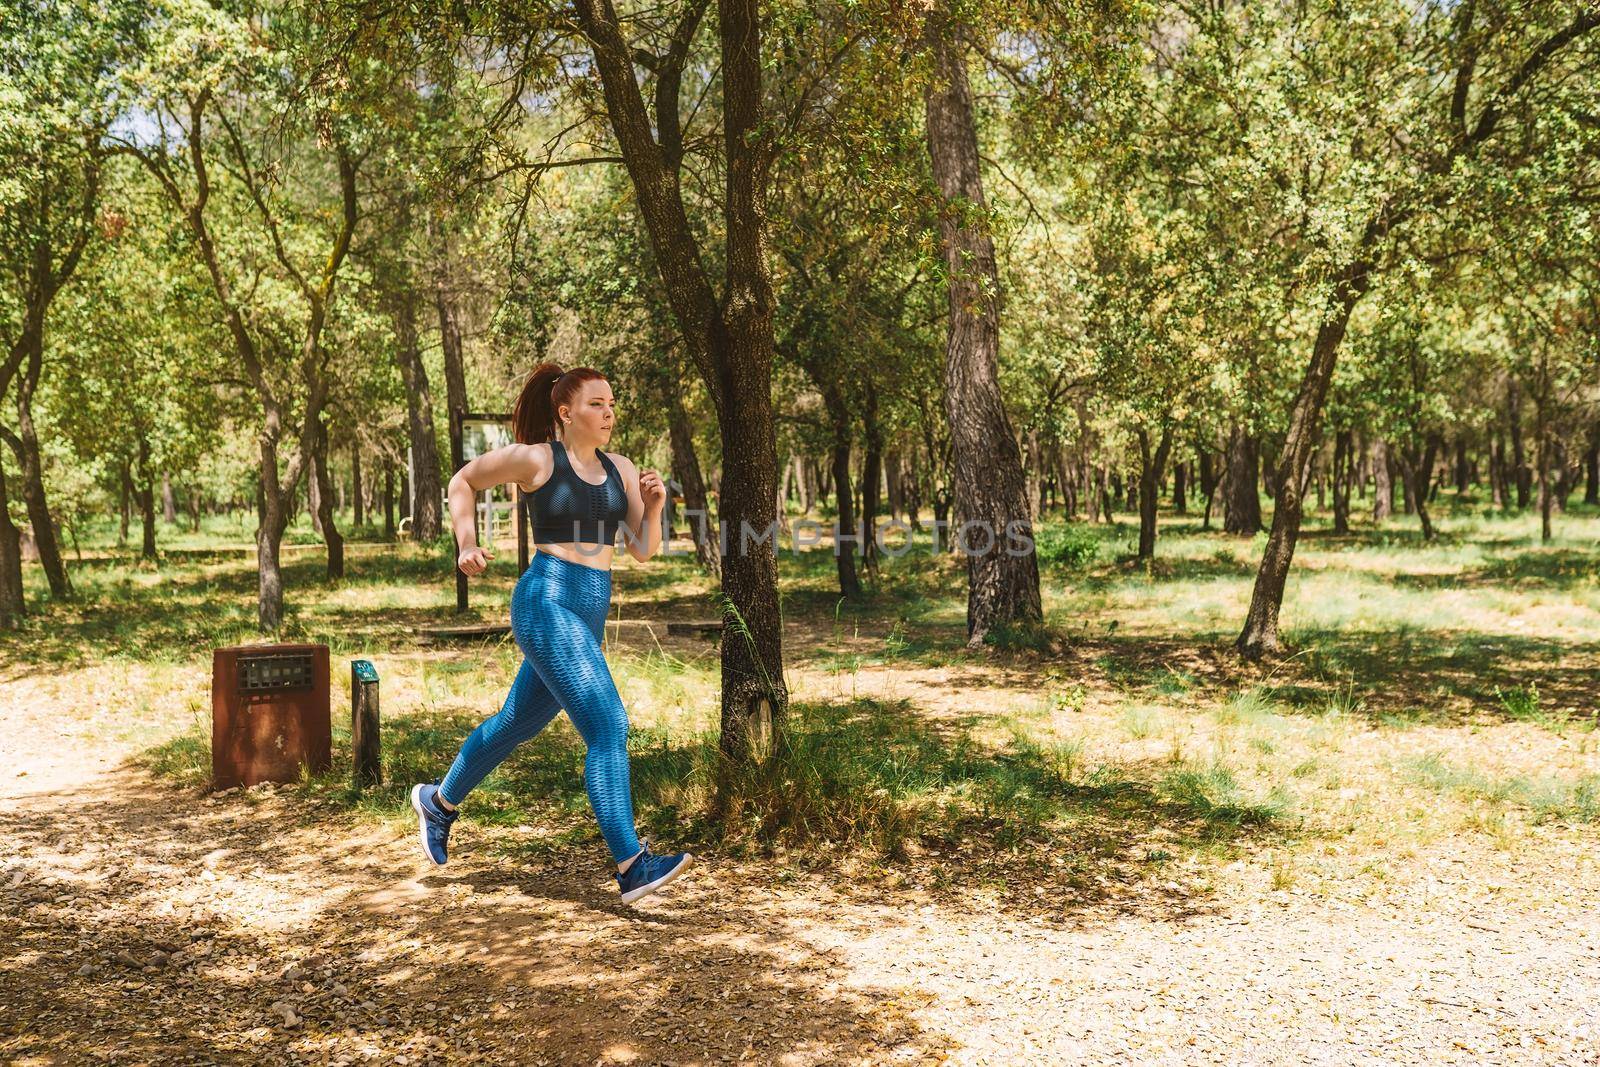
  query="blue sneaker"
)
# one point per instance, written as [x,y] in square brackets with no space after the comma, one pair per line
[649,873]
[433,822]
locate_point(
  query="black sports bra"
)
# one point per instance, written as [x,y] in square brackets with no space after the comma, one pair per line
[566,508]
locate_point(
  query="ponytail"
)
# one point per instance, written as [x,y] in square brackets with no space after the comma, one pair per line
[533,419]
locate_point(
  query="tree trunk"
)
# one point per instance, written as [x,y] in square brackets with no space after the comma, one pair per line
[146,493]
[805,482]
[1520,471]
[686,469]
[328,521]
[1180,488]
[1566,472]
[1318,462]
[1361,457]
[1463,470]
[388,500]
[1415,467]
[1205,462]
[1542,457]
[1069,484]
[1150,471]
[1033,477]
[785,480]
[314,504]
[425,492]
[871,475]
[1498,483]
[169,504]
[1343,453]
[729,336]
[33,491]
[273,503]
[12,604]
[1382,485]
[844,496]
[124,501]
[1260,633]
[893,469]
[989,486]
[1591,467]
[356,488]
[455,373]
[1242,500]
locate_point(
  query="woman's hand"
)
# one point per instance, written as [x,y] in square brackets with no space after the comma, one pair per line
[651,490]
[472,561]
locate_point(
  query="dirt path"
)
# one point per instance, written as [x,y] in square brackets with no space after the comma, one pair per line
[144,923]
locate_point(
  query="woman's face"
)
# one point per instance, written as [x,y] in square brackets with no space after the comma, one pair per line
[593,412]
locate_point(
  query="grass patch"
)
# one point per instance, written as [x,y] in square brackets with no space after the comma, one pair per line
[1213,796]
[1522,704]
[863,775]
[1546,799]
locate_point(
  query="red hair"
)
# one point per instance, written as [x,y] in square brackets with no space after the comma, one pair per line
[533,420]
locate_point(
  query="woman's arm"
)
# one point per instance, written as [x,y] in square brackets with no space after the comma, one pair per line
[512,463]
[641,535]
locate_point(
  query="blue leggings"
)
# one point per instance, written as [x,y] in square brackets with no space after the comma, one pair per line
[558,617]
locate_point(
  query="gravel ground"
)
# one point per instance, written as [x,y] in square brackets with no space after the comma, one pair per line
[145,923]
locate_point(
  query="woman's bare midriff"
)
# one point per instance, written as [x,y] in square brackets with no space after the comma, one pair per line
[582,553]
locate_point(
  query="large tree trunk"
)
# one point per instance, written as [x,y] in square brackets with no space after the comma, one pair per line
[328,521]
[425,492]
[1150,471]
[1260,633]
[1241,501]
[730,338]
[989,487]
[12,604]
[686,469]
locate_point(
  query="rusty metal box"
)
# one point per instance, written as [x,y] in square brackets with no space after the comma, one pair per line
[269,713]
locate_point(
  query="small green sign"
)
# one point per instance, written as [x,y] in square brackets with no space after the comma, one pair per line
[364,670]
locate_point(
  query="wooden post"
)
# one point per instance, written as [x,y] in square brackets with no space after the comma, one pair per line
[365,743]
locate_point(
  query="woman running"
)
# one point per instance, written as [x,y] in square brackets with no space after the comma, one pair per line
[582,497]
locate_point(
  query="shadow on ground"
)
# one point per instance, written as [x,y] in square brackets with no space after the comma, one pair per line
[483,962]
